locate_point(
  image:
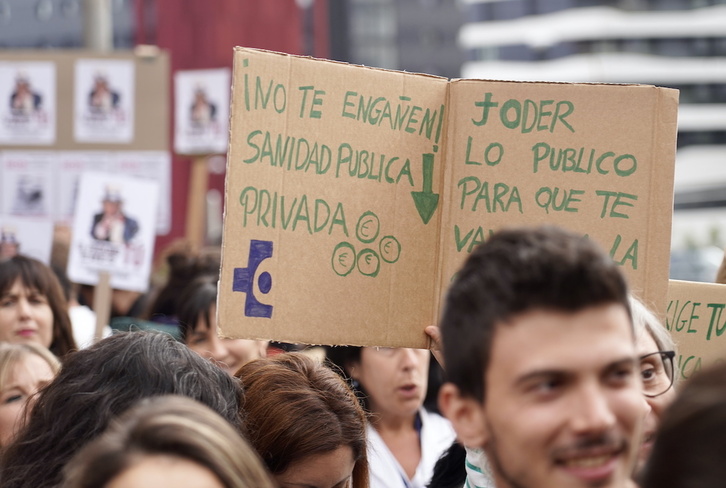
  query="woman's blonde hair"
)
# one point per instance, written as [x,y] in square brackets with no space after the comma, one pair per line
[173,426]
[645,321]
[11,354]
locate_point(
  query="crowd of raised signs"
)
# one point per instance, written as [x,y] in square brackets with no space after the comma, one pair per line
[547,372]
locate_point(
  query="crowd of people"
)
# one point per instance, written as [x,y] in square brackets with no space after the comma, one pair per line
[555,376]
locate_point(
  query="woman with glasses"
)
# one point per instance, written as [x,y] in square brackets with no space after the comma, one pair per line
[656,350]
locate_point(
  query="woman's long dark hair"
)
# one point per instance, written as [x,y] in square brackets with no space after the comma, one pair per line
[37,276]
[99,383]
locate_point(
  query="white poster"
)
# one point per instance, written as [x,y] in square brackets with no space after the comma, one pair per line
[113,230]
[28,236]
[70,165]
[150,165]
[201,108]
[104,100]
[28,186]
[27,103]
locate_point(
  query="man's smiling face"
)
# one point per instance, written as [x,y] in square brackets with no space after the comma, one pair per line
[564,402]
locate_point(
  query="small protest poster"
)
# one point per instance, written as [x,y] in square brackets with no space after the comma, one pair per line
[28,186]
[70,165]
[113,230]
[104,100]
[696,320]
[27,103]
[150,165]
[201,120]
[26,236]
[354,194]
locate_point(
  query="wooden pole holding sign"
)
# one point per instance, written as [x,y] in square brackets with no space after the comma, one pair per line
[102,303]
[196,204]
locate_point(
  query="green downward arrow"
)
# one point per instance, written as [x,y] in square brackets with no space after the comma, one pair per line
[426,201]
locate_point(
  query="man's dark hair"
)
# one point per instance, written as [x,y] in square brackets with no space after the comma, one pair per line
[515,271]
[99,383]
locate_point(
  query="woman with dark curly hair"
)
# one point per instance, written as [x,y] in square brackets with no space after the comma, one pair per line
[99,383]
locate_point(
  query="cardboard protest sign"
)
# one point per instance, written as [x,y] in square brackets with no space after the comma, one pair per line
[353,194]
[113,230]
[201,120]
[597,159]
[696,320]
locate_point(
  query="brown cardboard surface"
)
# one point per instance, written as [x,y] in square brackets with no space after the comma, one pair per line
[597,159]
[384,170]
[355,202]
[151,121]
[696,320]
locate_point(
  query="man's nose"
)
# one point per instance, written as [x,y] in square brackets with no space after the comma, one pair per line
[593,411]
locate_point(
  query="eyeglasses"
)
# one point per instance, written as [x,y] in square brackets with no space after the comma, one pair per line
[656,371]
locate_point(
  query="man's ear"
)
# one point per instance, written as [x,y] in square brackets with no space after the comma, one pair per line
[465,414]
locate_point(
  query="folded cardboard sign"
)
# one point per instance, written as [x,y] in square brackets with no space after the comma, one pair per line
[354,194]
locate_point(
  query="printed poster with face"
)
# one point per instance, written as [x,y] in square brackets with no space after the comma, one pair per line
[27,103]
[70,166]
[28,186]
[113,230]
[27,236]
[201,121]
[104,100]
[150,165]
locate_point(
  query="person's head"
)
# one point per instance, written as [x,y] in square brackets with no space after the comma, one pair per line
[198,328]
[392,381]
[22,83]
[540,355]
[305,422]
[33,307]
[9,245]
[182,265]
[24,369]
[112,200]
[99,383]
[655,349]
[691,439]
[167,441]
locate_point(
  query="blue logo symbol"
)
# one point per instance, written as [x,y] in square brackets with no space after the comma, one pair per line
[244,280]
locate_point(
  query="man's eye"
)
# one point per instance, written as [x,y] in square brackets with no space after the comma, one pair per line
[547,386]
[621,373]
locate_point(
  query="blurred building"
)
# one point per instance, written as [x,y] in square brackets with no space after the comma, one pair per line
[673,43]
[418,36]
[42,24]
